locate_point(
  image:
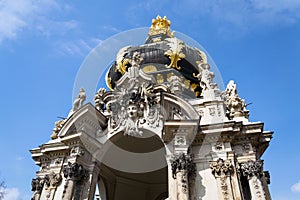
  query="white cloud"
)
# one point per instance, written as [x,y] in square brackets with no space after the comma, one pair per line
[229,15]
[11,194]
[19,158]
[237,11]
[18,15]
[296,187]
[79,47]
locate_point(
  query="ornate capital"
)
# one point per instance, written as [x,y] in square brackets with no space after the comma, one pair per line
[52,180]
[183,162]
[76,151]
[252,168]
[74,171]
[37,184]
[221,167]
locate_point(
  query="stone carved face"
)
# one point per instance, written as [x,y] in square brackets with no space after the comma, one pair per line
[132,111]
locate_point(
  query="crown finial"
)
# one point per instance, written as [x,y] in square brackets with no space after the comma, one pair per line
[161,26]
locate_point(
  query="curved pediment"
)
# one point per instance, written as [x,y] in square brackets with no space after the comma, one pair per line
[87,119]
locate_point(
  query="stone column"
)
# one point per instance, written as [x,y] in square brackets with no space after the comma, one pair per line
[236,189]
[172,183]
[183,170]
[253,171]
[222,170]
[265,181]
[90,183]
[74,174]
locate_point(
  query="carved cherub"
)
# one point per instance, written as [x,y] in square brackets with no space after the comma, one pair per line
[136,59]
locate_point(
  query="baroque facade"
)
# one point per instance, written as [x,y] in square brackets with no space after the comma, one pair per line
[163,130]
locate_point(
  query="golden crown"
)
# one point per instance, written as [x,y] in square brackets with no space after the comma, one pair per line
[161,26]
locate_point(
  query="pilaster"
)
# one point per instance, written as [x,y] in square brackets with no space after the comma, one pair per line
[75,175]
[253,171]
[222,170]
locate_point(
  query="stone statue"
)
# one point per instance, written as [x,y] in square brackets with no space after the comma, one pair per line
[205,76]
[231,90]
[136,59]
[79,100]
[175,85]
[58,126]
[236,106]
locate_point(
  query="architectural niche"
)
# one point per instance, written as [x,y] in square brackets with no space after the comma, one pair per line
[162,129]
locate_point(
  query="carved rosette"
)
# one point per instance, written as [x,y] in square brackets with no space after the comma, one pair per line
[221,168]
[252,168]
[74,171]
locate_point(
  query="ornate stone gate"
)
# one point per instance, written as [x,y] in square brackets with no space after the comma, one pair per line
[164,130]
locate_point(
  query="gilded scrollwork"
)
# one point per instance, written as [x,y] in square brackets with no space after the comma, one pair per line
[121,60]
[174,52]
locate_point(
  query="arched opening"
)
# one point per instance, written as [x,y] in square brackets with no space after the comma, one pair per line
[135,168]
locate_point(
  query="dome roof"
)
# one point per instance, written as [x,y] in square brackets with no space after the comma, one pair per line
[163,56]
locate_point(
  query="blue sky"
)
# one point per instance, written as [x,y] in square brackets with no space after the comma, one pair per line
[43,44]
